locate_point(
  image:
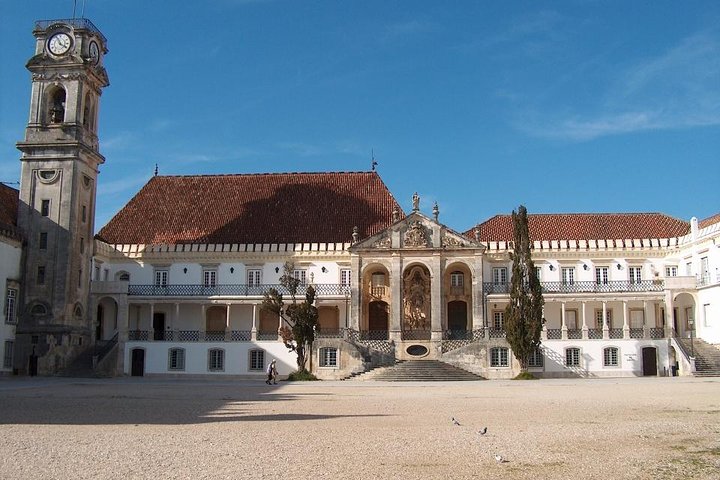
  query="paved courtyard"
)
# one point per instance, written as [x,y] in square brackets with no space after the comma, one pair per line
[648,428]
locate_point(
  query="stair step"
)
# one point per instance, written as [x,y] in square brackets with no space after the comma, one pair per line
[419,371]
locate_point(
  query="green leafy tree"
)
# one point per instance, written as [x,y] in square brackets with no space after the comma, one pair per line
[524,313]
[300,318]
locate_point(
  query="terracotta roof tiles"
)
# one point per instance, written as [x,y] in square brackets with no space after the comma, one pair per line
[254,208]
[8,210]
[584,226]
[709,221]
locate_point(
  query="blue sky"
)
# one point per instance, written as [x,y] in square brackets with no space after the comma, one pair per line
[585,106]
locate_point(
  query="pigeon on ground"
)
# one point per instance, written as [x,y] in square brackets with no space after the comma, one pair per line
[455,422]
[499,459]
[483,431]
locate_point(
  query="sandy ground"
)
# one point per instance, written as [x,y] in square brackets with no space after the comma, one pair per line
[646,428]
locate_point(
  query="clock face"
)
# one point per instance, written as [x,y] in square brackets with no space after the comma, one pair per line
[59,43]
[94,53]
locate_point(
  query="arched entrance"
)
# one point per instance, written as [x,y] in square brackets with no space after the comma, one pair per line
[378,320]
[649,361]
[106,318]
[137,366]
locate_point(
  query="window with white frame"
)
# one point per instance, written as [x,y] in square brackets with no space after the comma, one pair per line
[601,275]
[257,360]
[300,275]
[10,305]
[216,360]
[671,271]
[457,279]
[635,274]
[209,277]
[688,269]
[610,357]
[499,275]
[328,357]
[572,357]
[499,357]
[377,279]
[176,359]
[8,354]
[704,270]
[499,319]
[568,275]
[536,359]
[345,277]
[637,318]
[254,277]
[161,278]
[538,273]
[599,318]
[706,314]
[571,319]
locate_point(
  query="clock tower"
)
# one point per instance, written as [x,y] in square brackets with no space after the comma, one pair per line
[60,160]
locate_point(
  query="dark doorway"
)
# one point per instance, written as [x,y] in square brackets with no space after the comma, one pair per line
[675,315]
[649,361]
[138,363]
[99,320]
[457,316]
[158,326]
[32,365]
[378,317]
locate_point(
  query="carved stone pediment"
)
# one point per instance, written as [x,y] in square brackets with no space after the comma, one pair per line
[384,241]
[416,235]
[450,240]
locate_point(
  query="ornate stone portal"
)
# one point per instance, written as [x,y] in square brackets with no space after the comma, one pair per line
[416,299]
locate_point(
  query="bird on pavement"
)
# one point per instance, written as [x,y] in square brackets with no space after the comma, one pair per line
[455,422]
[482,431]
[499,459]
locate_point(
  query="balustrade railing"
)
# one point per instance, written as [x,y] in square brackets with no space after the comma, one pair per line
[554,334]
[188,335]
[329,333]
[496,333]
[416,334]
[616,333]
[585,287]
[657,332]
[267,335]
[574,334]
[637,333]
[458,335]
[138,335]
[240,335]
[373,335]
[595,333]
[235,290]
[215,336]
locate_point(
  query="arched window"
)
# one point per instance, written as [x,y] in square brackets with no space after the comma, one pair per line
[56,105]
[78,312]
[38,310]
[610,357]
[122,276]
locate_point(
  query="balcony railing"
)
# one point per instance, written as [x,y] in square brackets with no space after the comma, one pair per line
[416,334]
[231,290]
[574,334]
[616,333]
[585,287]
[77,23]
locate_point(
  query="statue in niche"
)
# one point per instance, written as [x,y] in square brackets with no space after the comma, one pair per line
[416,300]
[416,235]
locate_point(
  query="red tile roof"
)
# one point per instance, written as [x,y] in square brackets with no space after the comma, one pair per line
[8,210]
[584,226]
[709,221]
[254,208]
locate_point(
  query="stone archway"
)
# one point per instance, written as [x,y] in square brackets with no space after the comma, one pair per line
[106,319]
[684,320]
[416,315]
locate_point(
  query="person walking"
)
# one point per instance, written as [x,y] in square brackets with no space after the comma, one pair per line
[271,372]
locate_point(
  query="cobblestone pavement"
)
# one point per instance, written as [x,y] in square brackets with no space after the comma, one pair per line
[646,428]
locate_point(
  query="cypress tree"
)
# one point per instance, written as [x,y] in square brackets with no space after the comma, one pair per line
[524,312]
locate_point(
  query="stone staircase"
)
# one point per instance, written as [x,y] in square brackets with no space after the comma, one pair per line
[707,357]
[418,371]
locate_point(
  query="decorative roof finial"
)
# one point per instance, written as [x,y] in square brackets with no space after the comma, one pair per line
[477,234]
[395,215]
[374,163]
[436,211]
[156,169]
[355,234]
[416,202]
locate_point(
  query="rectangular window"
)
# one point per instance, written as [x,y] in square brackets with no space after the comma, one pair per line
[601,275]
[377,279]
[704,271]
[8,354]
[637,318]
[254,277]
[572,357]
[610,357]
[688,269]
[635,274]
[40,279]
[536,359]
[300,275]
[10,305]
[82,245]
[43,241]
[706,314]
[538,273]
[84,214]
[209,278]
[568,275]
[457,279]
[345,277]
[328,357]
[499,357]
[571,319]
[499,320]
[45,208]
[216,360]
[671,271]
[161,278]
[96,272]
[257,360]
[176,359]
[599,319]
[499,275]
[80,278]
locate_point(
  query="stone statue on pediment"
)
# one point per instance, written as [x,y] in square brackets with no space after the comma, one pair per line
[416,235]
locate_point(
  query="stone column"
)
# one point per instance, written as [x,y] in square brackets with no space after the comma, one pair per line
[176,323]
[228,331]
[436,299]
[543,333]
[563,326]
[584,322]
[605,326]
[396,298]
[646,320]
[626,327]
[355,293]
[151,327]
[203,322]
[280,324]
[123,311]
[478,295]
[253,330]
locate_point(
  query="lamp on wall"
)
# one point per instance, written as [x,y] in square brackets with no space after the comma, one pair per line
[552,267]
[185,270]
[323,269]
[277,269]
[585,266]
[232,269]
[619,267]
